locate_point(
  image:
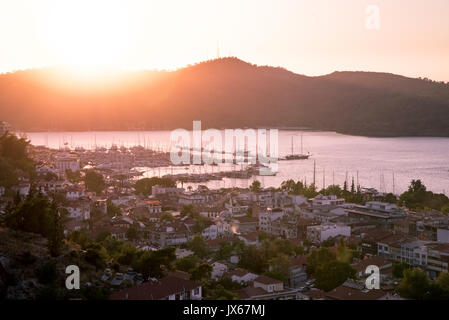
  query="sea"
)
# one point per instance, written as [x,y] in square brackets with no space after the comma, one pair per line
[387,164]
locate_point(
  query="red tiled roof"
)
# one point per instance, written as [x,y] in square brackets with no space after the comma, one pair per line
[375,260]
[156,291]
[247,219]
[299,261]
[346,293]
[267,280]
[249,292]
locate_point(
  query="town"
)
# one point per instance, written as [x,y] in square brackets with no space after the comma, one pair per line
[148,238]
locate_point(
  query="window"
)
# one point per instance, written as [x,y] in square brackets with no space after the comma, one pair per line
[196,291]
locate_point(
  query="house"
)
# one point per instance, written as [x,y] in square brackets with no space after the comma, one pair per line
[258,293]
[284,227]
[169,233]
[268,284]
[245,224]
[385,267]
[298,275]
[182,253]
[214,245]
[74,193]
[320,233]
[79,210]
[267,217]
[172,287]
[66,161]
[23,188]
[302,224]
[250,238]
[323,203]
[377,211]
[193,197]
[352,291]
[266,288]
[210,212]
[443,235]
[241,276]
[210,230]
[160,190]
[218,270]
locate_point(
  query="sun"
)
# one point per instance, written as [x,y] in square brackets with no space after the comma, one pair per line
[87,34]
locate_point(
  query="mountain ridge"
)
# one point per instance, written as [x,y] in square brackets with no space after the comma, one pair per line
[228,92]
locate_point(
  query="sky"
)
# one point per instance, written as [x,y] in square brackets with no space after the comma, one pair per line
[311,37]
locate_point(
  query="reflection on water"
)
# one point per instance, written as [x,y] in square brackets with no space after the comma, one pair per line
[373,160]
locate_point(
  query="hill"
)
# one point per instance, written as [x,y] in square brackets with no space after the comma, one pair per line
[227,93]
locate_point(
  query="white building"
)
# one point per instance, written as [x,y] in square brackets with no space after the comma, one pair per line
[325,231]
[443,235]
[66,161]
[79,210]
[267,217]
[218,269]
[159,190]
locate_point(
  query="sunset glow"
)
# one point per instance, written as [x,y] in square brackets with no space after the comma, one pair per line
[306,37]
[87,34]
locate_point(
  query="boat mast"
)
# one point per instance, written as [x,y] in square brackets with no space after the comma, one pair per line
[292,145]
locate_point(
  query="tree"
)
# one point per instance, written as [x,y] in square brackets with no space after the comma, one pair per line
[144,186]
[280,268]
[96,255]
[251,259]
[399,268]
[202,272]
[414,285]
[310,191]
[94,181]
[132,233]
[56,237]
[198,246]
[318,257]
[73,177]
[330,275]
[224,252]
[189,210]
[255,186]
[332,190]
[111,209]
[390,198]
[443,281]
[187,264]
[156,263]
[344,254]
[292,187]
[14,158]
[35,214]
[47,272]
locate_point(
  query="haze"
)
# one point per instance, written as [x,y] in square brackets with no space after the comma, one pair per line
[308,37]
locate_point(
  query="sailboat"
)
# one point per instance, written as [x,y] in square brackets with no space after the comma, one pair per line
[300,156]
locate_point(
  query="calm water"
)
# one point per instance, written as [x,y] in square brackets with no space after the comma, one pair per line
[336,156]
